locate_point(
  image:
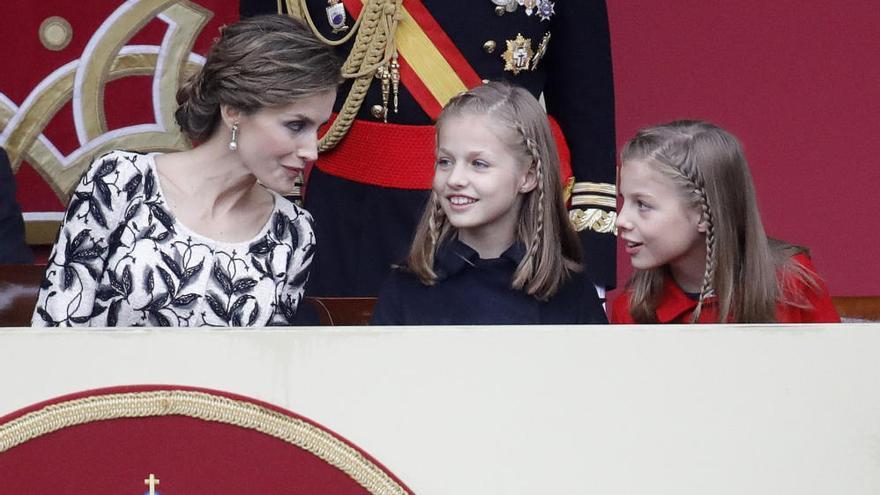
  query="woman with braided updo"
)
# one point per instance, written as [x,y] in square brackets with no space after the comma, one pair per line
[690,222]
[494,245]
[203,237]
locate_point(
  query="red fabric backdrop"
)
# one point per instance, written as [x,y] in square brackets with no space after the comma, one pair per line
[797,83]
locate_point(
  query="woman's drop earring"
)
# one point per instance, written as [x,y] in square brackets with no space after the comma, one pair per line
[233,143]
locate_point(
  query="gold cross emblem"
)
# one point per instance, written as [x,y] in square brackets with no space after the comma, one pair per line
[518,55]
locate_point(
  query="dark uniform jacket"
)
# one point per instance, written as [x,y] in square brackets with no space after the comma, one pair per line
[474,291]
[363,228]
[12,246]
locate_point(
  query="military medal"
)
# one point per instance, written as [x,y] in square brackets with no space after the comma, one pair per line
[545,9]
[505,5]
[542,49]
[336,15]
[518,54]
[529,5]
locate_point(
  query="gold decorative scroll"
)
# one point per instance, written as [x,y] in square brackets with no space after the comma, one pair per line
[106,59]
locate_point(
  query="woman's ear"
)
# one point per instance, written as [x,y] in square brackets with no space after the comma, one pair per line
[229,115]
[529,181]
[703,225]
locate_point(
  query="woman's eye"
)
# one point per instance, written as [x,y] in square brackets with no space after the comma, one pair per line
[642,205]
[295,126]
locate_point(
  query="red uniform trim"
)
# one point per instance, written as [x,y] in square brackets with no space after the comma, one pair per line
[400,156]
[676,307]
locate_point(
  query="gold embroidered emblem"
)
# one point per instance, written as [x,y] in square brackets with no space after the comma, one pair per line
[518,54]
[601,221]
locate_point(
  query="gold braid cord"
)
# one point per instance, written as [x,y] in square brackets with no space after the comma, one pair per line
[595,219]
[373,47]
[207,407]
[592,195]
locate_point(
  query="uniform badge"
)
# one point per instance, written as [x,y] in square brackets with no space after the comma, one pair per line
[529,5]
[545,9]
[518,54]
[336,15]
[508,5]
[542,49]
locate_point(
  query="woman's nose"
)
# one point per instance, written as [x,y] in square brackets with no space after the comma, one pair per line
[308,151]
[623,221]
[457,176]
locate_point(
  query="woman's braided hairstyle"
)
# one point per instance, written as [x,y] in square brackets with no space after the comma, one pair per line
[710,168]
[552,246]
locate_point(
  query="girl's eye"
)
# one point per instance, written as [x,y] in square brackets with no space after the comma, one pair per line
[642,205]
[443,162]
[295,126]
[480,164]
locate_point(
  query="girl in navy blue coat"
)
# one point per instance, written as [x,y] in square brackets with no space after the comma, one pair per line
[494,245]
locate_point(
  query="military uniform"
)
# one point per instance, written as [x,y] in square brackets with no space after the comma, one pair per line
[12,243]
[368,192]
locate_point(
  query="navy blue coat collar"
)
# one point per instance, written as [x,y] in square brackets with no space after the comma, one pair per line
[453,256]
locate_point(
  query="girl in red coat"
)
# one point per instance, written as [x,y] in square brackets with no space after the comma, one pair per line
[690,222]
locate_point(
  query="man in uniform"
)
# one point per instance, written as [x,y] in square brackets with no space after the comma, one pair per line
[405,59]
[12,244]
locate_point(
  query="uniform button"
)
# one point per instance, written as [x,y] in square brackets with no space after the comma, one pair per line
[499,11]
[489,46]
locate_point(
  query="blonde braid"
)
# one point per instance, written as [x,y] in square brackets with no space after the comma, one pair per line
[435,226]
[706,290]
[695,183]
[535,242]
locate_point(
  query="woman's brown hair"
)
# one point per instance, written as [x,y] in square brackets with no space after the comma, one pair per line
[258,62]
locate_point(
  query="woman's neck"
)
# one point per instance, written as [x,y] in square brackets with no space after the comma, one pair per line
[210,177]
[689,271]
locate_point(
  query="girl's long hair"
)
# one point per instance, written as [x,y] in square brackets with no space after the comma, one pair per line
[744,269]
[552,246]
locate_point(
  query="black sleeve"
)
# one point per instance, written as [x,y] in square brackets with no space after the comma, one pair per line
[13,248]
[580,94]
[388,310]
[592,312]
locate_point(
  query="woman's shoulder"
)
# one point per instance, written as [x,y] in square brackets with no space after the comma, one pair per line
[402,299]
[291,210]
[121,164]
[123,158]
[620,308]
[805,295]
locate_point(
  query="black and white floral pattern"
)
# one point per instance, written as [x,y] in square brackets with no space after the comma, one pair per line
[122,259]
